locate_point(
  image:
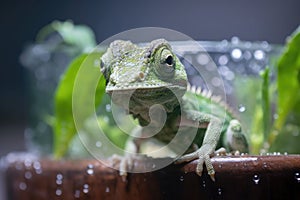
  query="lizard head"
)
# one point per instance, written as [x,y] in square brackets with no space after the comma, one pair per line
[151,74]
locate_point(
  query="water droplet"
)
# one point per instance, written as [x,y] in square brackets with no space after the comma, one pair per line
[37,165]
[236,54]
[265,165]
[90,169]
[259,55]
[297,177]
[22,186]
[247,55]
[219,191]
[77,194]
[28,175]
[216,81]
[229,75]
[108,108]
[39,171]
[181,178]
[27,163]
[223,60]
[235,40]
[203,59]
[59,179]
[98,144]
[242,108]
[107,189]
[58,192]
[256,179]
[59,176]
[85,188]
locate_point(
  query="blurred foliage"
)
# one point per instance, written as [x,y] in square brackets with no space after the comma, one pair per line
[285,133]
[280,131]
[64,125]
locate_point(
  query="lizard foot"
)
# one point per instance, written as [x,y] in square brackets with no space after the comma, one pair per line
[123,163]
[203,156]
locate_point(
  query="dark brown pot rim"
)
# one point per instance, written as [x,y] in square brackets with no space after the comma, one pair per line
[237,177]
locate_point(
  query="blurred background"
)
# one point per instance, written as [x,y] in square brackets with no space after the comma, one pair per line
[269,20]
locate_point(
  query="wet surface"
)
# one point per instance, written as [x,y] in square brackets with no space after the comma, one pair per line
[237,177]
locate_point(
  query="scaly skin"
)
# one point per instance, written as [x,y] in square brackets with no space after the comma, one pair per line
[153,75]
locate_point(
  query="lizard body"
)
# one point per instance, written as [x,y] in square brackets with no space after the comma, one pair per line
[151,84]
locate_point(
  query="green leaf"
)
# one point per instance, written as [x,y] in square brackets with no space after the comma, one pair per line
[287,82]
[79,36]
[265,100]
[64,126]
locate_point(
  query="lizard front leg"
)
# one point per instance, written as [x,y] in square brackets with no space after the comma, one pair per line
[209,144]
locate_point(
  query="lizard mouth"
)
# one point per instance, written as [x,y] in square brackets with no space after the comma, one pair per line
[146,95]
[144,87]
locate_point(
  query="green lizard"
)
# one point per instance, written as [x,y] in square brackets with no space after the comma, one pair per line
[152,75]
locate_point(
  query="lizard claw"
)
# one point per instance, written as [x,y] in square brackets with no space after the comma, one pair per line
[124,163]
[203,158]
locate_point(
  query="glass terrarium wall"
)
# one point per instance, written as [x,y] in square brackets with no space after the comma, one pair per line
[240,65]
[45,60]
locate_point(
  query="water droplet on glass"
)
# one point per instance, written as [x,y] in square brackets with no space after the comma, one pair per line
[219,191]
[90,169]
[235,40]
[181,178]
[223,60]
[22,186]
[236,54]
[256,179]
[28,175]
[108,108]
[98,144]
[242,108]
[215,81]
[247,55]
[203,59]
[107,189]
[77,194]
[85,188]
[259,55]
[229,75]
[58,192]
[297,177]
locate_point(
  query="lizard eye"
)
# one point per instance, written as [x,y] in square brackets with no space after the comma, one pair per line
[166,64]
